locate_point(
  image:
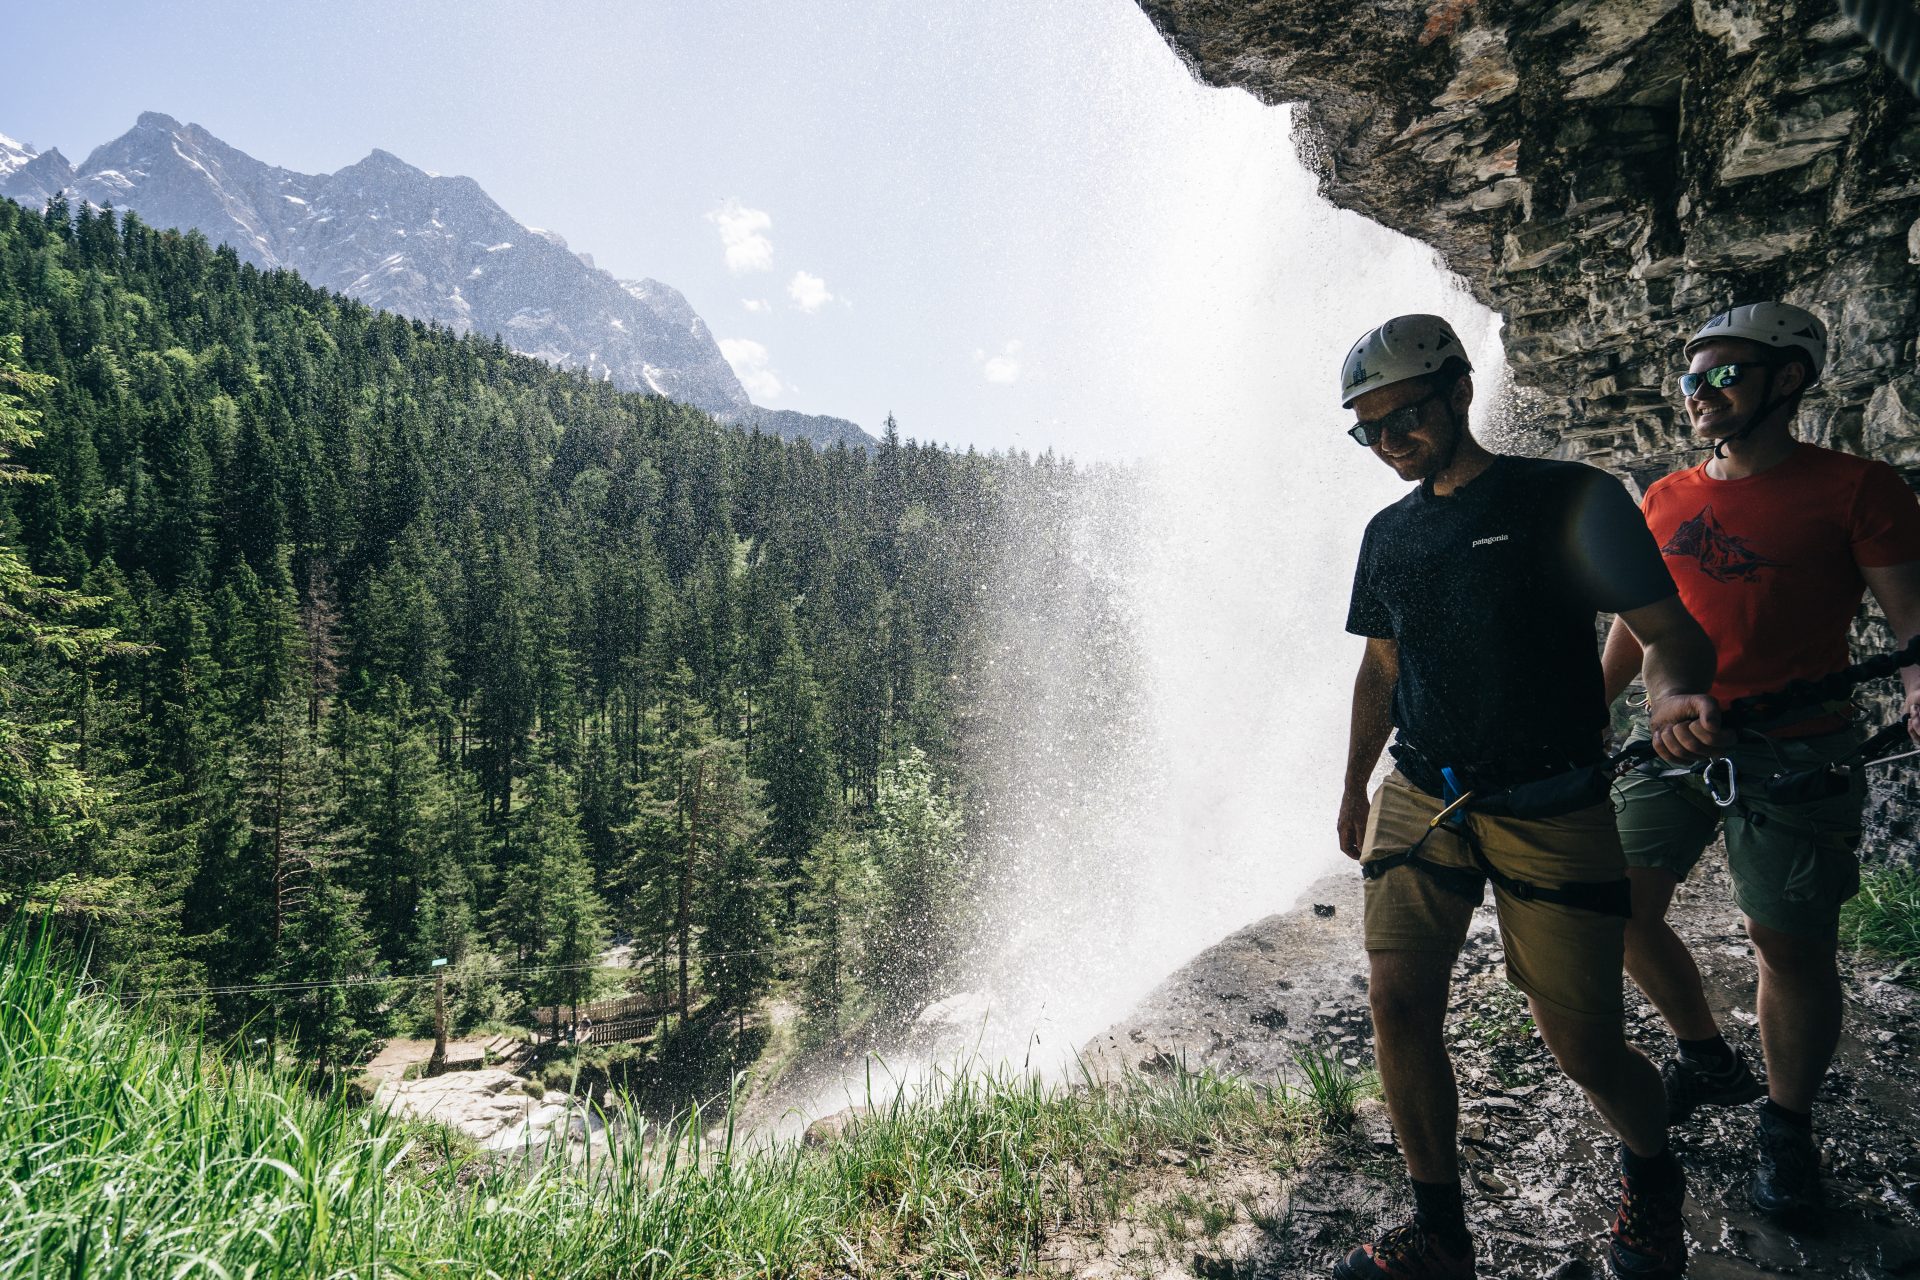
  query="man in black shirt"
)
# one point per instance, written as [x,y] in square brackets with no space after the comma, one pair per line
[1478,593]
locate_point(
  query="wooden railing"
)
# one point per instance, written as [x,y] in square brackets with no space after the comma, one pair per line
[611,1021]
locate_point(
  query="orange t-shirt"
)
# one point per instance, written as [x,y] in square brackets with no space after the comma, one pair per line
[1770,564]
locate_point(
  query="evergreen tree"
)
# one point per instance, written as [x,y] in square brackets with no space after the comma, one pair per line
[290,804]
[915,847]
[695,801]
[837,899]
[737,931]
[331,1005]
[793,759]
[44,798]
[392,793]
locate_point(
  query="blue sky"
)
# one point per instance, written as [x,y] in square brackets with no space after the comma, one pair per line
[1010,224]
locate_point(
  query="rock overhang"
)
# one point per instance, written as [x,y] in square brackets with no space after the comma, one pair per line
[1605,174]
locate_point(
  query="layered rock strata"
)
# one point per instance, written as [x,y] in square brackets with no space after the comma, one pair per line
[1607,173]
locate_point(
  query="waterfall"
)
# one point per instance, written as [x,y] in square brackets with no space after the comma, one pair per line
[1162,700]
[1171,676]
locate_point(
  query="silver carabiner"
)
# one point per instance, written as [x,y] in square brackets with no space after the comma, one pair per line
[1725,799]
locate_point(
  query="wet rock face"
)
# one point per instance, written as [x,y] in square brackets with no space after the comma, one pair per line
[1608,173]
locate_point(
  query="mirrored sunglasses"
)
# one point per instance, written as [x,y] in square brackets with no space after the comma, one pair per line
[1719,377]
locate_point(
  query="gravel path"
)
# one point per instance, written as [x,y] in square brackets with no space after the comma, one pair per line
[1540,1165]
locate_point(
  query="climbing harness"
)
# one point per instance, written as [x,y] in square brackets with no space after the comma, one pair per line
[1606,897]
[1571,790]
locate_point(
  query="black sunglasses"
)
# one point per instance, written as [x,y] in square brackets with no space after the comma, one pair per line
[1398,422]
[1719,377]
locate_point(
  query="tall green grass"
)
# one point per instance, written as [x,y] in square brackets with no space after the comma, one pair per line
[130,1149]
[1884,917]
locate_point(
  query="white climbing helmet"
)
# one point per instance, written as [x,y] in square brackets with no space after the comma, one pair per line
[1404,347]
[1772,324]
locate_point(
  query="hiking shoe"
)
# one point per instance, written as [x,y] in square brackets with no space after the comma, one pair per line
[1408,1252]
[1648,1240]
[1787,1181]
[1691,1086]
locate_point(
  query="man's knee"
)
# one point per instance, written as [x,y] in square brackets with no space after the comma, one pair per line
[1408,989]
[1652,894]
[1589,1053]
[1790,956]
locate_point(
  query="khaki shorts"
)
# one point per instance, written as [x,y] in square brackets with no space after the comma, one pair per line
[1567,959]
[1792,865]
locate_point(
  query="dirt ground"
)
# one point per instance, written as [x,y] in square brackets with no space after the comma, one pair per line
[1540,1167]
[400,1053]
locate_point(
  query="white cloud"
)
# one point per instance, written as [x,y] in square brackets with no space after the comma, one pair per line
[756,305]
[743,235]
[809,292]
[1002,368]
[749,361]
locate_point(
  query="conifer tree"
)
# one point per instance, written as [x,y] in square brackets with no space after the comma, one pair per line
[737,932]
[391,792]
[793,759]
[694,801]
[332,1001]
[836,901]
[43,796]
[295,849]
[915,845]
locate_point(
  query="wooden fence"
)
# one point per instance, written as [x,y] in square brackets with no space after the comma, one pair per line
[609,1021]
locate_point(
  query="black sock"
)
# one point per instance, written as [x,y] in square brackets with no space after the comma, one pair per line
[1653,1173]
[1714,1053]
[1441,1208]
[1801,1120]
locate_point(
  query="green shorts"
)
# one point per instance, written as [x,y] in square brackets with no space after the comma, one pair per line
[1792,864]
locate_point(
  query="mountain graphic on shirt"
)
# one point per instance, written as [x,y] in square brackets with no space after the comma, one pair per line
[1722,556]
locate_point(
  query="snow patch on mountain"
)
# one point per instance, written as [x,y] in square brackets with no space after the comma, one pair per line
[13,155]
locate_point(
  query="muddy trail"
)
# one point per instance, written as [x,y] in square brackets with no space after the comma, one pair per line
[1540,1168]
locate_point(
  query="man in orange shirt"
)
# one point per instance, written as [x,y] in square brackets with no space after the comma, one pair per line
[1771,542]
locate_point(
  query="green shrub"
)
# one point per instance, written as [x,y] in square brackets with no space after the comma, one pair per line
[1884,918]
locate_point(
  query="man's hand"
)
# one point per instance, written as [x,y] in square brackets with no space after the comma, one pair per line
[1354,808]
[1911,710]
[1685,726]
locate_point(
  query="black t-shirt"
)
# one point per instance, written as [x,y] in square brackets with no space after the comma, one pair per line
[1490,595]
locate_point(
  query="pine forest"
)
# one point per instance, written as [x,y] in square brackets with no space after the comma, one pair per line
[336,644]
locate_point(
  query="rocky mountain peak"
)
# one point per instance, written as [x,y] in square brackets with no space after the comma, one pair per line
[35,177]
[13,155]
[403,239]
[381,165]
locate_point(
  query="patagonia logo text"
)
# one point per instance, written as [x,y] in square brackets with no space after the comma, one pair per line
[1498,537]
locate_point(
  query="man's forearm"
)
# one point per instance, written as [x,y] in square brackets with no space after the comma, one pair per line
[1896,589]
[1681,663]
[1620,660]
[1371,727]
